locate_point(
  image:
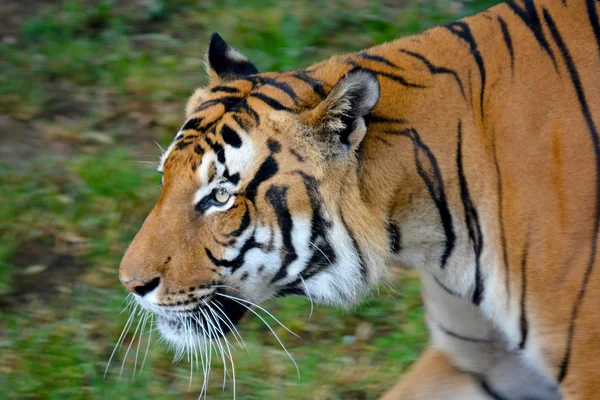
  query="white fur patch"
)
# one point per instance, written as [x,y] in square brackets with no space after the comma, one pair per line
[240,160]
[342,283]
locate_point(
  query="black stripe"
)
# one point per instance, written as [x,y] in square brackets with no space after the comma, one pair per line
[531,18]
[446,288]
[277,196]
[323,254]
[380,119]
[183,144]
[224,89]
[250,111]
[361,261]
[394,236]
[321,259]
[523,320]
[435,70]
[471,220]
[378,59]
[266,171]
[217,149]
[231,137]
[192,123]
[318,224]
[593,16]
[382,140]
[564,365]
[225,101]
[315,84]
[462,30]
[470,85]
[283,86]
[499,188]
[297,155]
[244,224]
[271,102]
[395,78]
[225,244]
[240,121]
[234,179]
[485,386]
[238,261]
[460,336]
[509,45]
[429,171]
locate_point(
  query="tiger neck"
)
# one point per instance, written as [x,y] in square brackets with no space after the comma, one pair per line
[413,162]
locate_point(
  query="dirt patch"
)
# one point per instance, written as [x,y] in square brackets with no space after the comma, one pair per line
[42,273]
[19,140]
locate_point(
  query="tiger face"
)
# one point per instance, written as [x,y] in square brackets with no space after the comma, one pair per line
[250,201]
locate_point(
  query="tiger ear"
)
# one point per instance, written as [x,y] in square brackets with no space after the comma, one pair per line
[224,63]
[339,119]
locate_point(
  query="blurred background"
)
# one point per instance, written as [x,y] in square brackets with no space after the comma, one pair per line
[86,87]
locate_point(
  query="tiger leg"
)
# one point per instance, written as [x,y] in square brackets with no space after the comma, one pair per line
[433,377]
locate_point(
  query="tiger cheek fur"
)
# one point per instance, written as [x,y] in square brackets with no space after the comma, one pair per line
[470,153]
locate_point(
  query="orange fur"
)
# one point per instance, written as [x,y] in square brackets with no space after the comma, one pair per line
[527,157]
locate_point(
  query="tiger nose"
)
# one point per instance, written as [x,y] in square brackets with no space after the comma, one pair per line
[141,288]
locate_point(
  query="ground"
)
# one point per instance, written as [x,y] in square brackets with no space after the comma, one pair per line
[86,87]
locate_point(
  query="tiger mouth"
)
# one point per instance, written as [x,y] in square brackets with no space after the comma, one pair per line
[214,320]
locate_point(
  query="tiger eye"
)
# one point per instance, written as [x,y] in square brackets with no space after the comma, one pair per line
[222,196]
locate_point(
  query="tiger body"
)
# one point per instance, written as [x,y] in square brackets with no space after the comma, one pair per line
[469,152]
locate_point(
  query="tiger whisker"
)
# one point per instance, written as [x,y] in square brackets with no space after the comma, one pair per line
[218,343]
[309,297]
[190,349]
[130,343]
[208,363]
[149,341]
[215,324]
[223,286]
[137,351]
[268,326]
[229,323]
[179,352]
[159,146]
[262,309]
[121,338]
[130,303]
[204,355]
[228,344]
[209,332]
[321,251]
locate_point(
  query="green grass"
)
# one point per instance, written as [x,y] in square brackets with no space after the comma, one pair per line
[85,89]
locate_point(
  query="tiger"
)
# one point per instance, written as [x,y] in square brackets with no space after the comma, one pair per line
[469,153]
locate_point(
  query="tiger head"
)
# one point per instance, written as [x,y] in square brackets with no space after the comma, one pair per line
[259,199]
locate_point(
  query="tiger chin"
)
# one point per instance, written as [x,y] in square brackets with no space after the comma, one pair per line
[470,153]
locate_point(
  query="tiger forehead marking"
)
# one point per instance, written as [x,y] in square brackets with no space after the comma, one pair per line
[221,118]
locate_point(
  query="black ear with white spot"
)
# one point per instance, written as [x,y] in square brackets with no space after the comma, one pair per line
[340,117]
[224,63]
